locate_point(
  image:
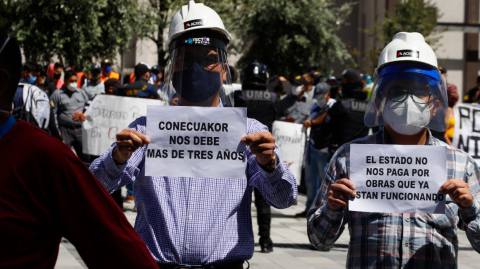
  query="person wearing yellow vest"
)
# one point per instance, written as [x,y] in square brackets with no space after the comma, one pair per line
[107,72]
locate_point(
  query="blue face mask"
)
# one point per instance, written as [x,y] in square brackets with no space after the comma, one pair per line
[32,79]
[107,69]
[197,84]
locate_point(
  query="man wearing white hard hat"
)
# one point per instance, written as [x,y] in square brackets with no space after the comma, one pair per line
[193,222]
[408,99]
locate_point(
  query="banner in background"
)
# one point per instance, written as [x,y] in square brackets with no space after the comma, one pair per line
[108,115]
[466,133]
[290,138]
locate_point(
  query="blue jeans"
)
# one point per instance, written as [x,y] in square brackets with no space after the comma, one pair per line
[316,162]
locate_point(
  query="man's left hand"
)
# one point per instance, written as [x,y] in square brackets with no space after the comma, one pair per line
[458,191]
[262,145]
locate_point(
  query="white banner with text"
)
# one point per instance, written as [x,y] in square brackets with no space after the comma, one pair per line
[108,115]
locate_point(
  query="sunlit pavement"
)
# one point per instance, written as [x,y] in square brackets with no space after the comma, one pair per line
[291,245]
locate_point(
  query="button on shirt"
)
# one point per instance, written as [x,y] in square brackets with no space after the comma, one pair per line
[298,109]
[197,220]
[66,103]
[380,240]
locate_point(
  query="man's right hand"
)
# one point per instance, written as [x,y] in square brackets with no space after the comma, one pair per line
[340,193]
[128,141]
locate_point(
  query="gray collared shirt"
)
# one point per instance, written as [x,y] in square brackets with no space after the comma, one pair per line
[65,103]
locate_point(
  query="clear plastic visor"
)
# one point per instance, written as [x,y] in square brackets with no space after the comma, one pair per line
[197,74]
[412,97]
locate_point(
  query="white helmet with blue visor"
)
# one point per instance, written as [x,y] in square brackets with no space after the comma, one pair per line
[408,95]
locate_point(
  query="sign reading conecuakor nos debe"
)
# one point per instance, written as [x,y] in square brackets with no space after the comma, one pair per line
[108,115]
[466,133]
[196,142]
[398,178]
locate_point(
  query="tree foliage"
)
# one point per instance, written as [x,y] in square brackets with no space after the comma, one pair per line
[409,16]
[71,30]
[287,35]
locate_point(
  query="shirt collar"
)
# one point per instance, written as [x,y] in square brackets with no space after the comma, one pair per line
[6,126]
[387,140]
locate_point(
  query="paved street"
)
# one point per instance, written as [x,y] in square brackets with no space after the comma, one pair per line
[291,246]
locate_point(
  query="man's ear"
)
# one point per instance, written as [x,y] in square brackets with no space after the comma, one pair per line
[435,107]
[4,80]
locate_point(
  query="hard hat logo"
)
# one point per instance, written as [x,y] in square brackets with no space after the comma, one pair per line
[190,24]
[408,53]
[198,41]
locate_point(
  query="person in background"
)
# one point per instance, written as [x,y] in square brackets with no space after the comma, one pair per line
[95,85]
[471,96]
[158,72]
[68,104]
[30,73]
[107,72]
[82,77]
[296,106]
[140,88]
[452,95]
[355,102]
[48,194]
[316,76]
[261,105]
[112,86]
[279,85]
[54,71]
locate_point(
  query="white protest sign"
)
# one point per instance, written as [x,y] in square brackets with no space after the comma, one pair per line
[466,133]
[108,115]
[290,138]
[398,178]
[196,142]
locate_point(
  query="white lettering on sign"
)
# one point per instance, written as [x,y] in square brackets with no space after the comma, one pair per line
[196,142]
[398,178]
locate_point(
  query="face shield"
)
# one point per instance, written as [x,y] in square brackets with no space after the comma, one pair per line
[198,70]
[408,97]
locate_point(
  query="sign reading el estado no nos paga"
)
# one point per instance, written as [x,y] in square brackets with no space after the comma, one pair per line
[398,178]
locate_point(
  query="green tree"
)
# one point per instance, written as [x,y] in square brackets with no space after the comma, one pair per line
[71,30]
[287,35]
[409,16]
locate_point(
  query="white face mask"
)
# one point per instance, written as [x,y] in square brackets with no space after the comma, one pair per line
[408,117]
[72,86]
[296,90]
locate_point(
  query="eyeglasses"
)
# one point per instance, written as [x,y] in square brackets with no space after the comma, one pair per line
[208,62]
[399,95]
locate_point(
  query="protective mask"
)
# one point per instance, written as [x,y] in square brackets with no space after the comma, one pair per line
[198,84]
[107,69]
[408,117]
[72,86]
[57,76]
[32,79]
[296,90]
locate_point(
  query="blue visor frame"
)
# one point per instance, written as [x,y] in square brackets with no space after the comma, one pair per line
[411,68]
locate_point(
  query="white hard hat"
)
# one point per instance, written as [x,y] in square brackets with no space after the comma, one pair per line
[195,17]
[407,47]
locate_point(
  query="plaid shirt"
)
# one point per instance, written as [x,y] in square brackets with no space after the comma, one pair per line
[380,240]
[197,221]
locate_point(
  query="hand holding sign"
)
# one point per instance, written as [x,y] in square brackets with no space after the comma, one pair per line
[128,141]
[458,191]
[340,193]
[262,145]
